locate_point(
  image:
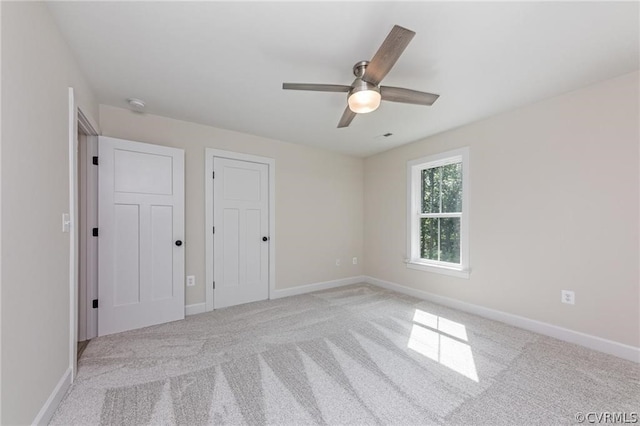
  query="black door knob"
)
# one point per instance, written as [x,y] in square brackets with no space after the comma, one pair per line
[265,238]
[178,243]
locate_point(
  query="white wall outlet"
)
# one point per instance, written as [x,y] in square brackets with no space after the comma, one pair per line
[355,260]
[337,262]
[191,280]
[568,297]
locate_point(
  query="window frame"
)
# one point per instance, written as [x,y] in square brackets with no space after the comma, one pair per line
[414,213]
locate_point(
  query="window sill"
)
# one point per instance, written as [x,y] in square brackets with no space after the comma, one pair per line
[453,272]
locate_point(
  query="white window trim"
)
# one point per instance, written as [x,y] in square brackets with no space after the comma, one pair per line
[414,168]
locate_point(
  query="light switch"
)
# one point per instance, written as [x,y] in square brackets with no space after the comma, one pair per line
[66,222]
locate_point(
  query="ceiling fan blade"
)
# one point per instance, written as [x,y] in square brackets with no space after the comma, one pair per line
[407,96]
[316,87]
[387,55]
[347,118]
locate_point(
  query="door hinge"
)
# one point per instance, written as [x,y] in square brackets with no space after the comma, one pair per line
[94,232]
[214,175]
[214,285]
[95,303]
[95,161]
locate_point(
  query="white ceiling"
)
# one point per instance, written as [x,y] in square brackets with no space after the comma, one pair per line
[223,63]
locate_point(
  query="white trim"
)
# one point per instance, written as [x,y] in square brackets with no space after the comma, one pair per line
[413,213]
[1,224]
[195,309]
[210,153]
[438,269]
[50,406]
[440,159]
[208,229]
[74,260]
[620,350]
[308,288]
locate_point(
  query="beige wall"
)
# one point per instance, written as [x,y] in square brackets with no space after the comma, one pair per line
[554,205]
[319,197]
[37,69]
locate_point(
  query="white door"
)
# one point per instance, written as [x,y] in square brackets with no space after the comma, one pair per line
[241,232]
[141,228]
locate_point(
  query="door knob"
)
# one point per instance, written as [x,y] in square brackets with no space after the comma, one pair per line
[265,238]
[178,243]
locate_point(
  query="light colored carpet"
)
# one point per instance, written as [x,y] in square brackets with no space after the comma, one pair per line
[354,355]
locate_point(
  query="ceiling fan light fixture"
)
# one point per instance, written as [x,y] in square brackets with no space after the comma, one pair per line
[364,97]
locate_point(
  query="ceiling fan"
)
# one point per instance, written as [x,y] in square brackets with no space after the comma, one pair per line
[365,93]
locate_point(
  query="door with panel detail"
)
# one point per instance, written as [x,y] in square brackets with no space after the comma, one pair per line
[141,228]
[241,238]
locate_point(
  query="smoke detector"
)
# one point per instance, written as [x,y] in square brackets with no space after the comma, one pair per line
[136,104]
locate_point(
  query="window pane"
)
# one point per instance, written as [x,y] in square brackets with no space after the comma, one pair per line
[431,190]
[447,230]
[451,188]
[429,238]
[450,239]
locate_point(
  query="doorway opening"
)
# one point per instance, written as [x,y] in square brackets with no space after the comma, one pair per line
[87,267]
[82,134]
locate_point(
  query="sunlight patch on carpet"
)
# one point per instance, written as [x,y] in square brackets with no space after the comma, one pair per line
[430,337]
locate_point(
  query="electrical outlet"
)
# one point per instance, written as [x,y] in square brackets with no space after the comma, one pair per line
[355,260]
[568,297]
[191,280]
[337,262]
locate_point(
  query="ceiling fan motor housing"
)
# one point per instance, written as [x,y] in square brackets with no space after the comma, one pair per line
[359,68]
[360,85]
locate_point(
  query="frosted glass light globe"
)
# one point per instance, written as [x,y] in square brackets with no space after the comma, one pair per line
[364,101]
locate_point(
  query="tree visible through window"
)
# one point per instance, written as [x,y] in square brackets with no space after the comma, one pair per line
[441,212]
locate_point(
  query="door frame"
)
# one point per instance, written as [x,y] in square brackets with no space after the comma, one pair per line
[77,119]
[210,154]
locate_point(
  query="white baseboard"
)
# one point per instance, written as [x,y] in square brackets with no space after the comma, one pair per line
[196,308]
[621,350]
[308,288]
[50,406]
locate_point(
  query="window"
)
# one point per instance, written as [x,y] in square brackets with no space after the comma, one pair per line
[438,214]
